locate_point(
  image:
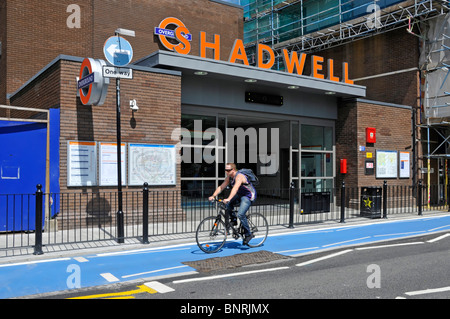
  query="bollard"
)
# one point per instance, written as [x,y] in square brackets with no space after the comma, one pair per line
[343,203]
[448,197]
[291,205]
[385,200]
[419,197]
[120,227]
[145,215]
[38,222]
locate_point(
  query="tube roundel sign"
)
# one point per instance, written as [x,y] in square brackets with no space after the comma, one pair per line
[92,86]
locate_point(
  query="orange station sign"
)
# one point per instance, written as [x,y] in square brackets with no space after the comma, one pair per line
[293,61]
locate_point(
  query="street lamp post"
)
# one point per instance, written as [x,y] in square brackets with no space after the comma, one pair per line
[120,225]
[120,214]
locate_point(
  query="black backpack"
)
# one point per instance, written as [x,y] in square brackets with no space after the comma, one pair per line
[251,177]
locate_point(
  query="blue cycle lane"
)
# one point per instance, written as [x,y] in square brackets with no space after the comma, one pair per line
[51,275]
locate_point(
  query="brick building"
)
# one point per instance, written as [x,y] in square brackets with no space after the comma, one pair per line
[319,122]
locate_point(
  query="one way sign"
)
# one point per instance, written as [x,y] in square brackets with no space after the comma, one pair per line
[113,72]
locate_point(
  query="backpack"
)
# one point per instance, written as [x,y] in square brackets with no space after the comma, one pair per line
[251,177]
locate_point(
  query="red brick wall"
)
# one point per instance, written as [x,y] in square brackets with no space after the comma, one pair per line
[43,92]
[387,52]
[3,55]
[158,96]
[393,132]
[37,33]
[346,143]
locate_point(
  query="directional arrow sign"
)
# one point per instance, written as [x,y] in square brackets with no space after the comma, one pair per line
[118,51]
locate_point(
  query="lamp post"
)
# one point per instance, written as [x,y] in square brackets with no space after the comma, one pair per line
[119,215]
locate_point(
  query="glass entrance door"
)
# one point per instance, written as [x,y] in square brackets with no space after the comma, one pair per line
[312,165]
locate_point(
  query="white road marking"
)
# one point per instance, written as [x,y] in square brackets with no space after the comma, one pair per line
[228,275]
[347,241]
[396,234]
[143,251]
[153,271]
[439,228]
[324,257]
[34,262]
[159,287]
[292,250]
[427,291]
[109,277]
[81,259]
[437,238]
[392,245]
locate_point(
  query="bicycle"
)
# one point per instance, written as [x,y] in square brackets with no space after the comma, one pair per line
[212,231]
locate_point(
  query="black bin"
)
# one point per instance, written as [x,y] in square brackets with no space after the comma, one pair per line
[370,205]
[315,202]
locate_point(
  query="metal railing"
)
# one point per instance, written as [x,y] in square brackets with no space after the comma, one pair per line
[38,223]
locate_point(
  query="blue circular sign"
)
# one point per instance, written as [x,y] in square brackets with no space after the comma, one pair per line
[118,51]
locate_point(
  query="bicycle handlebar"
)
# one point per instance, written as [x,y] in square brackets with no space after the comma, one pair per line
[219,201]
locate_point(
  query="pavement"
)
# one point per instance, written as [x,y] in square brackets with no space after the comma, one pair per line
[48,274]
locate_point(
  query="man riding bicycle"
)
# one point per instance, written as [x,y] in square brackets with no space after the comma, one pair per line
[242,193]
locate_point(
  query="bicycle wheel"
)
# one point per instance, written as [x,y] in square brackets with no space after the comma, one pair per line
[211,234]
[259,227]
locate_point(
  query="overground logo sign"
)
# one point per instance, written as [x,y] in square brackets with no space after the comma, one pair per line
[181,33]
[92,86]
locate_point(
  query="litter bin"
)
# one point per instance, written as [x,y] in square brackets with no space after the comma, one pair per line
[315,202]
[370,205]
[307,202]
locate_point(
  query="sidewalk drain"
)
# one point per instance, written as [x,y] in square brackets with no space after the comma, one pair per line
[239,260]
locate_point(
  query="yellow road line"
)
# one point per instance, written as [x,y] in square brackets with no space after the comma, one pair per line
[142,288]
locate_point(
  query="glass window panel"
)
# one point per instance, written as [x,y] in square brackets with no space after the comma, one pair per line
[317,164]
[295,164]
[197,189]
[317,137]
[317,185]
[197,162]
[294,134]
[328,138]
[197,125]
[312,165]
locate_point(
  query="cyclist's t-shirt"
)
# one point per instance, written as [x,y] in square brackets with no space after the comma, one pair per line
[246,189]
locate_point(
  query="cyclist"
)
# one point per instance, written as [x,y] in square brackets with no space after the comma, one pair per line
[242,193]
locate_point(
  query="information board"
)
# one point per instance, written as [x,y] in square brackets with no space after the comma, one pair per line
[108,164]
[81,163]
[386,163]
[404,165]
[154,164]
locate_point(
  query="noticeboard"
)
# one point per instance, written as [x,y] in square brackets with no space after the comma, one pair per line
[152,164]
[108,164]
[405,163]
[386,164]
[81,163]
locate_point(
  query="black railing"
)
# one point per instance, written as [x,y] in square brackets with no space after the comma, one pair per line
[39,223]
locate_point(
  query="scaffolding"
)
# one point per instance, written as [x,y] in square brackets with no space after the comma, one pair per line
[434,65]
[309,26]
